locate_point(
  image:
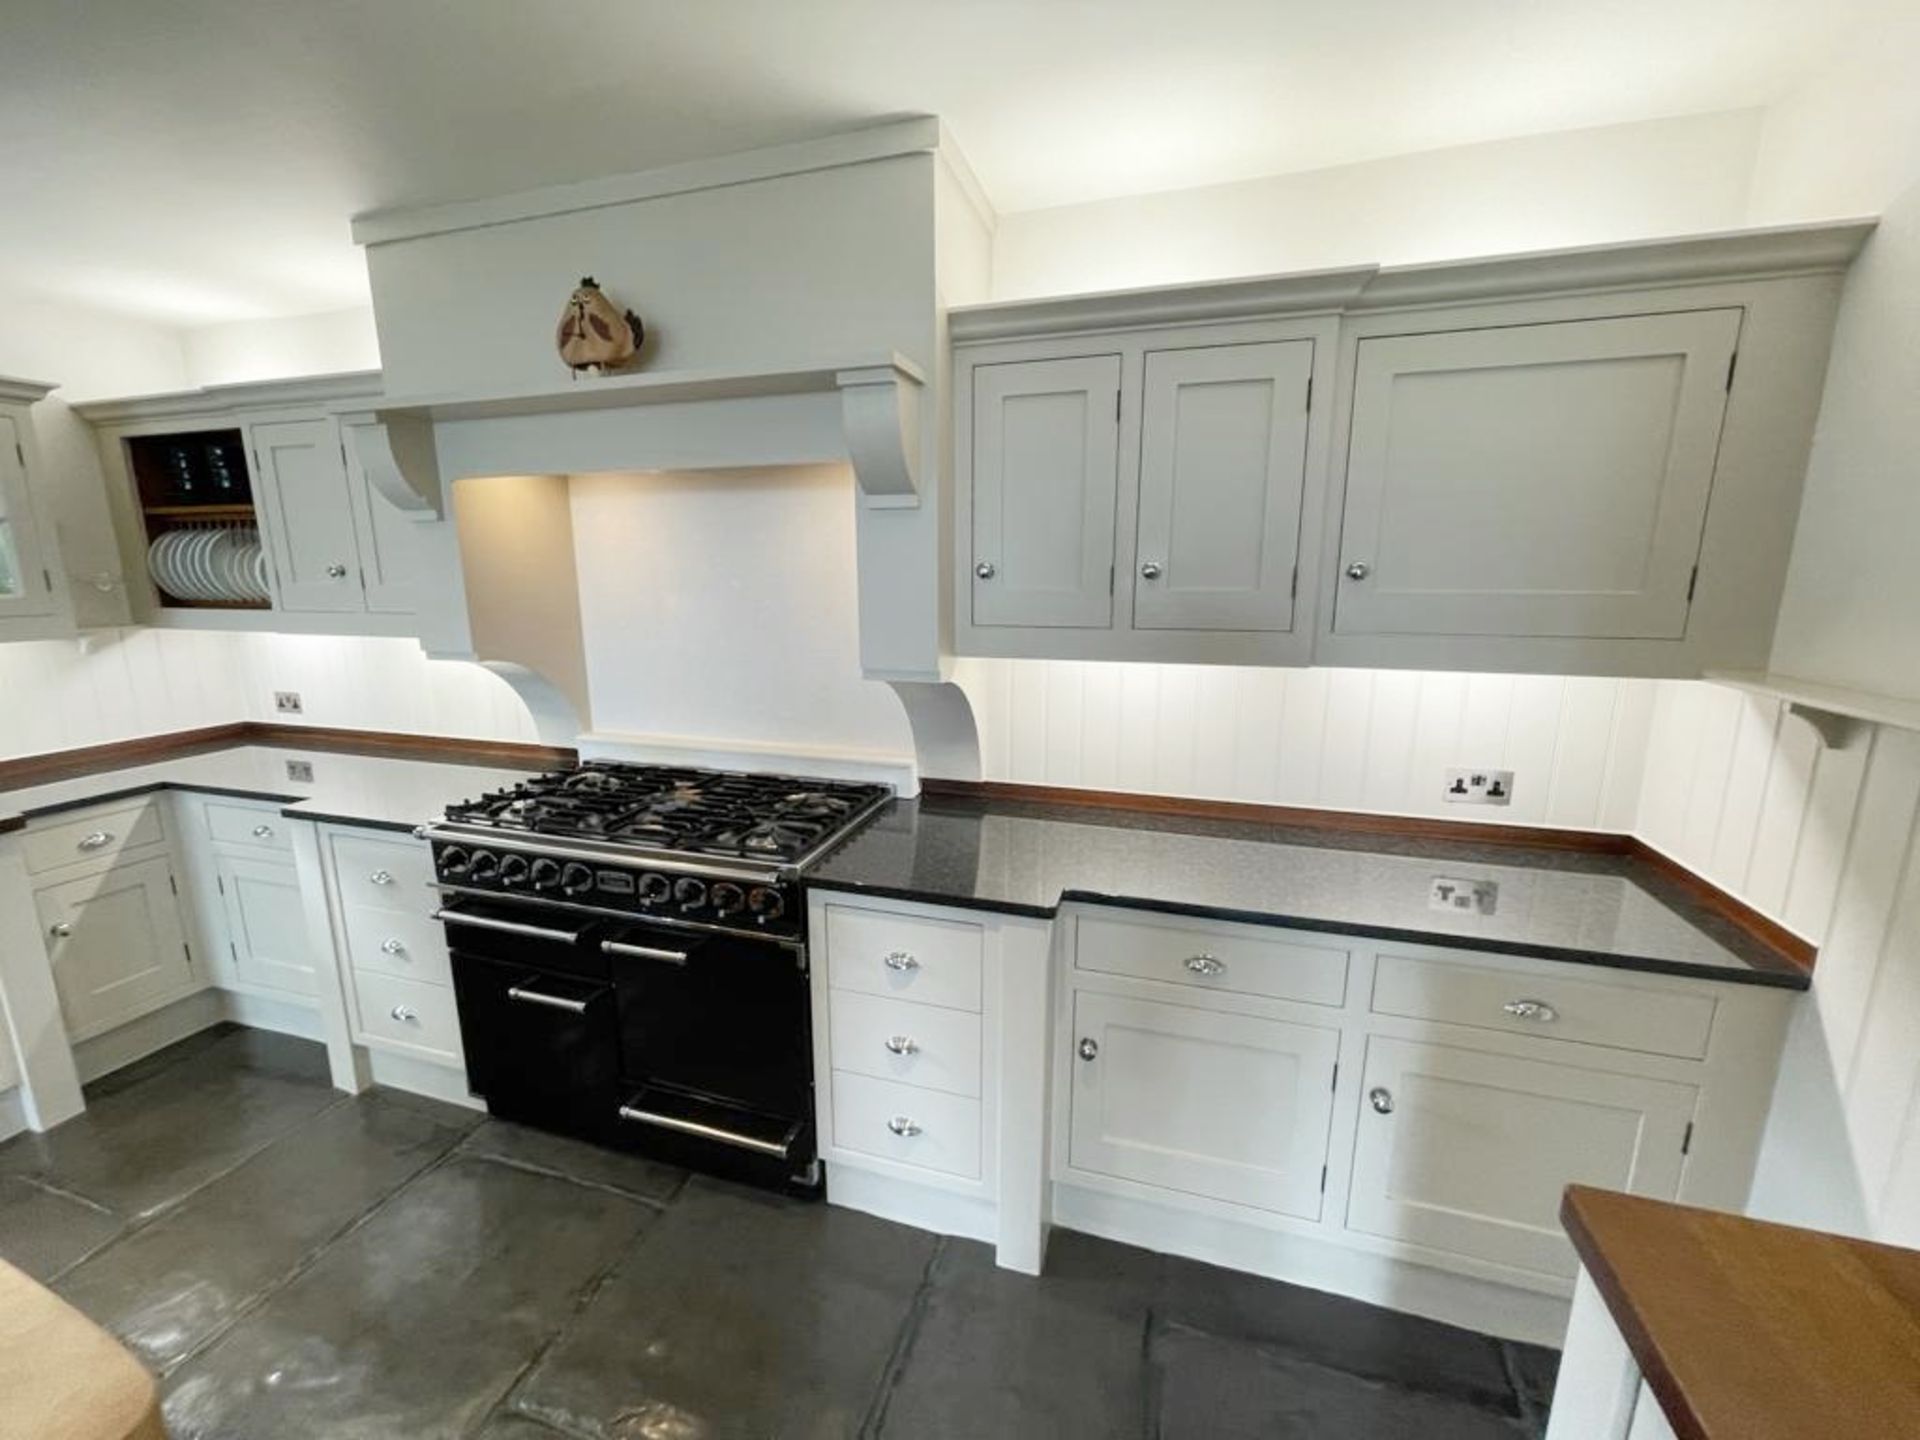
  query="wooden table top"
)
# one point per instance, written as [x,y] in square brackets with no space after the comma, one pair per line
[1750,1331]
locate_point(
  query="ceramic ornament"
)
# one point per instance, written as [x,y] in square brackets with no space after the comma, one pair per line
[594,335]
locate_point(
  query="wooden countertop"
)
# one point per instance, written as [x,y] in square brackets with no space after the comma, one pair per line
[1750,1331]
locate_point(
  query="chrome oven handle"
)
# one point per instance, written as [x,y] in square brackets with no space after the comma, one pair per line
[506,927]
[711,1132]
[555,1002]
[642,952]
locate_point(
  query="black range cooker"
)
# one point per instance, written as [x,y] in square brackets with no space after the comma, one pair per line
[629,957]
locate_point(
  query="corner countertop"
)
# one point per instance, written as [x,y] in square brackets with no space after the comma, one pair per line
[380,791]
[1028,859]
[1745,1330]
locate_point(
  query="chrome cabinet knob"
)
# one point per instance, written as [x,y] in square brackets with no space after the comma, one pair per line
[901,1125]
[336,571]
[392,947]
[1538,1010]
[1206,965]
[1088,1048]
[61,930]
[406,1014]
[903,1045]
[263,832]
[1359,570]
[985,570]
[380,877]
[1150,570]
[96,840]
[901,962]
[1381,1099]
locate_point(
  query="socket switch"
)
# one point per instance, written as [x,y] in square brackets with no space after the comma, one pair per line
[286,702]
[1479,787]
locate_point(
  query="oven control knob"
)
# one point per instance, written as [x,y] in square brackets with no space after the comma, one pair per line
[484,865]
[655,888]
[454,860]
[513,870]
[727,898]
[545,874]
[691,893]
[576,879]
[766,904]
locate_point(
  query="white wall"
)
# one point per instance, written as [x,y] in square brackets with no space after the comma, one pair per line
[243,350]
[88,353]
[1618,182]
[723,605]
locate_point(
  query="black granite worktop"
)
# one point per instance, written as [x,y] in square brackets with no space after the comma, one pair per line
[1555,904]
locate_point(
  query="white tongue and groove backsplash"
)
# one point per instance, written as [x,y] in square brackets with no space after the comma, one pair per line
[1377,740]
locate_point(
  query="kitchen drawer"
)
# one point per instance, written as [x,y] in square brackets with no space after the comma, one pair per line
[942,1047]
[1625,1017]
[943,1130]
[936,962]
[408,1012]
[392,942]
[1234,958]
[390,874]
[241,825]
[97,835]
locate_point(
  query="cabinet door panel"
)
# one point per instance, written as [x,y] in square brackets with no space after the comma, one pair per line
[1476,1148]
[123,954]
[1045,484]
[1226,1106]
[23,589]
[300,483]
[266,924]
[391,554]
[1547,480]
[1222,465]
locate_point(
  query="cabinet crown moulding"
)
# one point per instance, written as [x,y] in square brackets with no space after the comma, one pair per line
[17,391]
[221,401]
[1826,246]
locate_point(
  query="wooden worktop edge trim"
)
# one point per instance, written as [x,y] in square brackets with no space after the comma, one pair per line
[1705,893]
[56,765]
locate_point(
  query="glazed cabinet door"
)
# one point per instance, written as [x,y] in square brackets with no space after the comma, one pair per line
[266,926]
[1045,472]
[300,485]
[1468,1152]
[1223,437]
[1532,480]
[116,947]
[1226,1106]
[25,588]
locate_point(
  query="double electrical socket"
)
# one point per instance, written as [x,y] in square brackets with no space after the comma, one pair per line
[1471,897]
[1479,787]
[286,702]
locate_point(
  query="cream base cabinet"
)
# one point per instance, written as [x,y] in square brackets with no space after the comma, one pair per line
[266,925]
[1533,479]
[115,943]
[1226,1106]
[1468,1152]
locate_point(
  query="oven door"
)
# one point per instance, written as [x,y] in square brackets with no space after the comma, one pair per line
[537,1019]
[716,1044]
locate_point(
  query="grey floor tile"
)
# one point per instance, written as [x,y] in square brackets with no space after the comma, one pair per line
[1363,1340]
[740,1314]
[518,1427]
[415,1323]
[166,1289]
[1229,1389]
[43,1232]
[1534,1369]
[996,1354]
[136,1151]
[634,1174]
[148,1066]
[454,1117]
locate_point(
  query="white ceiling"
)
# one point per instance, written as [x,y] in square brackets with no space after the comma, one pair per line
[197,160]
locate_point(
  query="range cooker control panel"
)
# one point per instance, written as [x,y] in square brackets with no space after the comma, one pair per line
[737,904]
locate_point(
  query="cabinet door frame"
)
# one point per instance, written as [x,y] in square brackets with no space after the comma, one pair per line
[40,570]
[231,871]
[1123,640]
[59,900]
[295,590]
[392,582]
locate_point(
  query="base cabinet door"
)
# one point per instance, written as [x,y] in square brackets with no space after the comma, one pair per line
[116,946]
[1223,455]
[1468,1152]
[1225,1106]
[265,924]
[1533,480]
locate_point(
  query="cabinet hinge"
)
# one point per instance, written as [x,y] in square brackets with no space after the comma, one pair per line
[1323,1179]
[1293,586]
[221,881]
[1732,361]
[47,575]
[20,454]
[173,885]
[1309,392]
[1111,572]
[1693,582]
[189,952]
[1336,1076]
[1116,407]
[1686,1140]
[233,952]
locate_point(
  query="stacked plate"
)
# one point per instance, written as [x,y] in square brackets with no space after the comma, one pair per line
[221,563]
